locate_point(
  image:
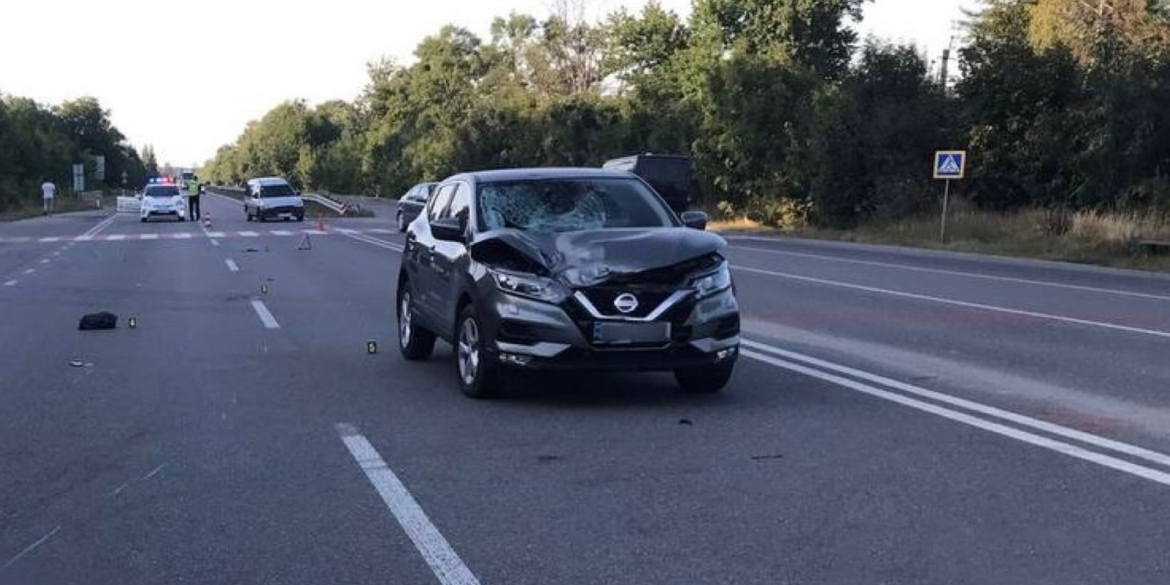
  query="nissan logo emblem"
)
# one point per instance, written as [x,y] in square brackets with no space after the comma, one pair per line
[626,303]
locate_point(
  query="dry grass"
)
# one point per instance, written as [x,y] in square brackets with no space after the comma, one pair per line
[742,224]
[1094,238]
[64,204]
[1122,227]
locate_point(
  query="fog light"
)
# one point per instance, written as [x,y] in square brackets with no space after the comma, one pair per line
[511,309]
[724,354]
[513,359]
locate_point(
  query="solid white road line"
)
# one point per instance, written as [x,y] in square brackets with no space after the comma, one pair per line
[31,548]
[1005,415]
[148,237]
[50,239]
[10,283]
[956,303]
[231,264]
[1069,449]
[374,241]
[434,548]
[265,316]
[1029,281]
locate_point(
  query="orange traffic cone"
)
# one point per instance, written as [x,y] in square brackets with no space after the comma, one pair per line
[320,225]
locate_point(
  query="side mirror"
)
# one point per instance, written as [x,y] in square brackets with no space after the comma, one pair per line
[694,219]
[448,229]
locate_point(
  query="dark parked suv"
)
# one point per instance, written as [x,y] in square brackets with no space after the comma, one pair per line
[566,269]
[671,175]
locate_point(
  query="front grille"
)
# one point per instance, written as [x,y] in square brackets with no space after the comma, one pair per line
[283,209]
[603,299]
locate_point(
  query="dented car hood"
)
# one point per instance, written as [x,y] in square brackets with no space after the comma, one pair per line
[586,258]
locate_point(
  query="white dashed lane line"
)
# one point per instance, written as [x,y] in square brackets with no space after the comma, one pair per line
[448,568]
[231,264]
[30,270]
[265,315]
[10,283]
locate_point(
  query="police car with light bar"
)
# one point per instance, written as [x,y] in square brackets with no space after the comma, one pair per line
[163,198]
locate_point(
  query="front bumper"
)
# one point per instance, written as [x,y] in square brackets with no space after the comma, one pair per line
[533,335]
[179,213]
[283,211]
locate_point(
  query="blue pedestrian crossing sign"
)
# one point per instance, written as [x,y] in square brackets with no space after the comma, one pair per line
[950,164]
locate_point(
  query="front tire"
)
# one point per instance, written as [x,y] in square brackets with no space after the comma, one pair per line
[704,379]
[415,343]
[478,376]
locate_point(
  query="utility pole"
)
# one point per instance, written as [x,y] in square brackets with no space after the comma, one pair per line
[944,74]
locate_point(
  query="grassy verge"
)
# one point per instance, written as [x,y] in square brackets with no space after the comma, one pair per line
[1090,238]
[61,205]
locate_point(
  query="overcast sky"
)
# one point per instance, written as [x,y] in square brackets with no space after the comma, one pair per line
[186,75]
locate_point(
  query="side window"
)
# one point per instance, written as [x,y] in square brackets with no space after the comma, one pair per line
[439,202]
[460,205]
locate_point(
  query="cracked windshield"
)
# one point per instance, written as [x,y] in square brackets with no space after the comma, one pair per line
[614,292]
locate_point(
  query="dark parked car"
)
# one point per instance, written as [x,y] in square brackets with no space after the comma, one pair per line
[566,269]
[411,204]
[671,175]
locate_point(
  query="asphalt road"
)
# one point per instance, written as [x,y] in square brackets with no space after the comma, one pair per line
[897,417]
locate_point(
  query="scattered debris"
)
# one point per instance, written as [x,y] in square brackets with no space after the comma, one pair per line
[249,250]
[685,421]
[77,364]
[132,322]
[766,457]
[548,458]
[98,321]
[371,347]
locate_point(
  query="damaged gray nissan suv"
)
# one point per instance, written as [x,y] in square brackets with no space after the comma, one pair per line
[566,269]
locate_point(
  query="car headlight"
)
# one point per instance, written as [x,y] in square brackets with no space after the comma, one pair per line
[713,282]
[529,286]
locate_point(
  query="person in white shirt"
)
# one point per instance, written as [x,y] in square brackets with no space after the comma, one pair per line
[48,192]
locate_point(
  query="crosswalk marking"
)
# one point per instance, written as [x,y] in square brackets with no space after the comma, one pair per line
[165,236]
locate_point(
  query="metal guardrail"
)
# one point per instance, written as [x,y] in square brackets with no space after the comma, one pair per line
[323,199]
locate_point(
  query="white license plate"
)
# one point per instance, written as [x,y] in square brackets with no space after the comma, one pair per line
[620,333]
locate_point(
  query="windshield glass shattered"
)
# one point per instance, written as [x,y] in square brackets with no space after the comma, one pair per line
[561,205]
